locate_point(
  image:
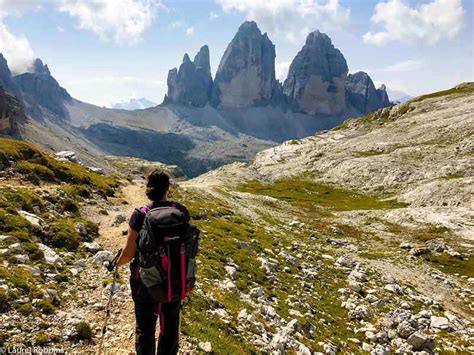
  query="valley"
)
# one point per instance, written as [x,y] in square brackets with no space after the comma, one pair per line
[356,240]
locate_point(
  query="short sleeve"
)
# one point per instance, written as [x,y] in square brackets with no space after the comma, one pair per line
[136,221]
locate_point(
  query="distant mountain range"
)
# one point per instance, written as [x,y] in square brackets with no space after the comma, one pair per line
[134,104]
[204,122]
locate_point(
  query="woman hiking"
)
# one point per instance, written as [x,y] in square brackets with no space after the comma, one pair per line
[148,310]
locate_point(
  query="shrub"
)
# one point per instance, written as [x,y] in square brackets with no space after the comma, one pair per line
[33,251]
[41,339]
[84,331]
[41,172]
[25,309]
[20,198]
[78,191]
[46,307]
[64,235]
[4,302]
[15,225]
[68,205]
[20,283]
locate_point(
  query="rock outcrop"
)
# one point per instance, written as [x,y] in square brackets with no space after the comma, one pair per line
[316,78]
[246,73]
[39,88]
[11,114]
[6,81]
[191,84]
[361,93]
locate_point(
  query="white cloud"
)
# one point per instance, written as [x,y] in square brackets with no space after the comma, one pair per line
[213,15]
[119,20]
[16,49]
[60,29]
[293,19]
[190,31]
[428,23]
[16,7]
[281,70]
[406,65]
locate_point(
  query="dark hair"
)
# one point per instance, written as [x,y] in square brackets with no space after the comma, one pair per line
[158,183]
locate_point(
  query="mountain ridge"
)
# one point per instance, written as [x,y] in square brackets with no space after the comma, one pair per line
[240,111]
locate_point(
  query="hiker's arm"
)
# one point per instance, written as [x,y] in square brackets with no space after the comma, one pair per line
[128,253]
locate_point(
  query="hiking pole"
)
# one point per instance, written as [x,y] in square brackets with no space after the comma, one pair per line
[112,266]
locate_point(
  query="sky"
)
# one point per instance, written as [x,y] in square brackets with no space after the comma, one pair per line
[108,51]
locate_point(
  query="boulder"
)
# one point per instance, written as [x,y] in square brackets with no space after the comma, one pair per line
[420,341]
[66,155]
[246,74]
[92,247]
[50,255]
[32,218]
[205,346]
[102,256]
[439,323]
[317,77]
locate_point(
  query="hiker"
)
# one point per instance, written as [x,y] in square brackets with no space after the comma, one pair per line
[147,310]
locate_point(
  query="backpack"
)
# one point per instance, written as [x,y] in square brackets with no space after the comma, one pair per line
[167,248]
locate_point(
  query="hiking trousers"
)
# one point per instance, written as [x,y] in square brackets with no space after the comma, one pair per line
[146,315]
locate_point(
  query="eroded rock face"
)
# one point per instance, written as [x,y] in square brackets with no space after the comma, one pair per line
[6,78]
[40,88]
[191,84]
[316,78]
[246,73]
[11,114]
[361,93]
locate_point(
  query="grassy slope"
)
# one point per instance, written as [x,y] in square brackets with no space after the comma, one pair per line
[52,190]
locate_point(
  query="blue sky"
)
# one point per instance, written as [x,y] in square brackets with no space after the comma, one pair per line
[106,51]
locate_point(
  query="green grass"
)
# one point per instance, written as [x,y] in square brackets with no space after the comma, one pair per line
[463,89]
[369,153]
[39,167]
[221,232]
[452,176]
[452,265]
[313,195]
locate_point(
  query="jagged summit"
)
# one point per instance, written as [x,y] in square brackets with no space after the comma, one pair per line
[6,81]
[191,84]
[246,73]
[202,60]
[315,85]
[41,90]
[362,94]
[316,78]
[40,68]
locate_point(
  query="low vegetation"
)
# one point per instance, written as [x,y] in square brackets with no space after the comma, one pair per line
[308,194]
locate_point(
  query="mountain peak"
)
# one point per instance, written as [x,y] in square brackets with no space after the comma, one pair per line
[40,68]
[202,59]
[191,84]
[316,78]
[249,27]
[248,62]
[186,58]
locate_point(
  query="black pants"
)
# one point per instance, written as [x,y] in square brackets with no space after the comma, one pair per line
[146,315]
